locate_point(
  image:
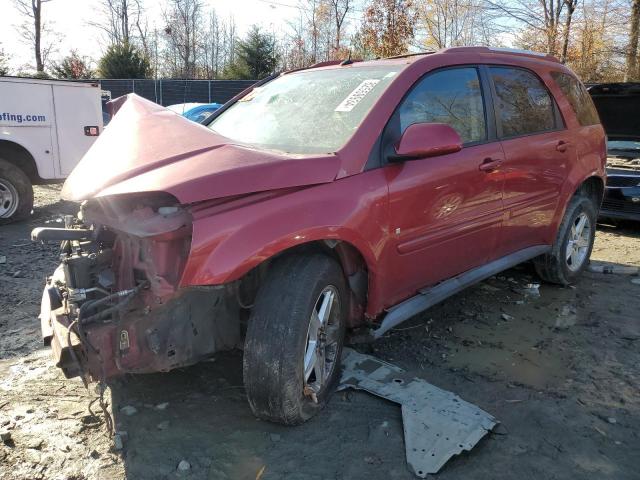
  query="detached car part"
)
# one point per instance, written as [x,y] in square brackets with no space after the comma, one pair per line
[437,424]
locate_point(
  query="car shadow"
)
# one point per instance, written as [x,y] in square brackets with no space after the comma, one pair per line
[620,228]
[200,415]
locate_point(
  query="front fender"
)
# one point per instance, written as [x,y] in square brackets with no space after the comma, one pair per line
[226,245]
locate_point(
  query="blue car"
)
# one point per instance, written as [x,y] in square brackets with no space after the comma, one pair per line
[201,112]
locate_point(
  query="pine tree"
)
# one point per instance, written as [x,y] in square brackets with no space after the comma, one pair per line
[124,61]
[256,56]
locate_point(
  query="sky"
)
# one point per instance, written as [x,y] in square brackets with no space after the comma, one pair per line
[71,19]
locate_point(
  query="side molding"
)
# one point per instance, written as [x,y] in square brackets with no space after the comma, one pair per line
[429,297]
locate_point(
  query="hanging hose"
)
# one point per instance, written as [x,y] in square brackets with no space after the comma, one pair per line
[73,353]
[126,295]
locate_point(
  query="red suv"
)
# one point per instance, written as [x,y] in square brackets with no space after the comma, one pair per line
[347,194]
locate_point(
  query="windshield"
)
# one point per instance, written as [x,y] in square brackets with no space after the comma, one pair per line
[314,111]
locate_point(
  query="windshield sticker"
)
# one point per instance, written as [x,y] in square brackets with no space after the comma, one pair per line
[357,95]
[251,95]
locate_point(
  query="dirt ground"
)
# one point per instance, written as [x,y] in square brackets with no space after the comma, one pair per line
[559,370]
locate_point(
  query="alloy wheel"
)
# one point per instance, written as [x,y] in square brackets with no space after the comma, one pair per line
[322,345]
[579,242]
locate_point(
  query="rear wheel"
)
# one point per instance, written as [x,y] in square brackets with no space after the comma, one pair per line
[571,251]
[16,193]
[294,339]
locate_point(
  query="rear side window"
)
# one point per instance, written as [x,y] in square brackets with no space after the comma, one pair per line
[451,96]
[578,97]
[525,105]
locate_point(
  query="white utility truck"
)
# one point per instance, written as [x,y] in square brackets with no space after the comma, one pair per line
[46,126]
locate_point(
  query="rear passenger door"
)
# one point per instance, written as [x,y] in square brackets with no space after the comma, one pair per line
[538,155]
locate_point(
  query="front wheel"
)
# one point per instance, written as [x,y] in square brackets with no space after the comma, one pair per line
[294,339]
[571,251]
[16,193]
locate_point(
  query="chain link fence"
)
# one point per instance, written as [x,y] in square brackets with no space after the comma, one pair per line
[170,92]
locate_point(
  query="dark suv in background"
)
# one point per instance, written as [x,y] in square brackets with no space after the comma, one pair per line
[618,105]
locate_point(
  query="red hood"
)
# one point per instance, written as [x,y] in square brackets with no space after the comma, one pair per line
[149,148]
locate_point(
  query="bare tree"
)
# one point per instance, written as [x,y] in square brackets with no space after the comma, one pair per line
[340,10]
[4,62]
[632,49]
[211,47]
[571,8]
[141,25]
[388,27]
[449,23]
[33,28]
[125,22]
[538,19]
[183,20]
[119,18]
[294,46]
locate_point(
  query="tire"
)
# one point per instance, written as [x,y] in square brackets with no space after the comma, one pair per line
[556,266]
[276,343]
[16,193]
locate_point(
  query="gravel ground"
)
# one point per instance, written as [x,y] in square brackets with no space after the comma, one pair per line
[559,370]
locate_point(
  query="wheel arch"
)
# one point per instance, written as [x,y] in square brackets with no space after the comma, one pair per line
[19,156]
[354,267]
[250,272]
[591,186]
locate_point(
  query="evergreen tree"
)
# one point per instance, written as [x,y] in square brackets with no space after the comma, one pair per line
[256,56]
[124,61]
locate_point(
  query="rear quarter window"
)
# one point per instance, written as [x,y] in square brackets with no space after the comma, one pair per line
[578,97]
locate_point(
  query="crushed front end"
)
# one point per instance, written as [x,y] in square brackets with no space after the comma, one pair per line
[114,304]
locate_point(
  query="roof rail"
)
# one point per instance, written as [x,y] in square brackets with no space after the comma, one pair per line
[321,64]
[508,51]
[407,55]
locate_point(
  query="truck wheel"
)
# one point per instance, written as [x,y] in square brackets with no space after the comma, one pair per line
[294,339]
[571,251]
[16,193]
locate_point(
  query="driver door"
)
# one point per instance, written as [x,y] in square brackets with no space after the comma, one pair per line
[445,211]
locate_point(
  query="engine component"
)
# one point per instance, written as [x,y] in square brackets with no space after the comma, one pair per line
[42,234]
[81,269]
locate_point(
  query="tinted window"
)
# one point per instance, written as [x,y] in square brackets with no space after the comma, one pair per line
[524,103]
[578,97]
[450,96]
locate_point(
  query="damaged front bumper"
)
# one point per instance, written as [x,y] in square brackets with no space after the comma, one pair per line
[114,305]
[197,322]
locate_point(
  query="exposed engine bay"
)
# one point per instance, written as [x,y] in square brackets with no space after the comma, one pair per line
[114,304]
[622,162]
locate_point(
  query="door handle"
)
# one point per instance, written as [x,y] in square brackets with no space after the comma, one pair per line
[562,146]
[489,165]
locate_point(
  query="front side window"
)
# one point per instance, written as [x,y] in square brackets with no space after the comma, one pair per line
[578,97]
[313,111]
[525,105]
[452,96]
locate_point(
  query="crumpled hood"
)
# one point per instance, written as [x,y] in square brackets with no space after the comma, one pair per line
[148,148]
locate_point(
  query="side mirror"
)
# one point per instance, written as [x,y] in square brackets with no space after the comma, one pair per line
[422,140]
